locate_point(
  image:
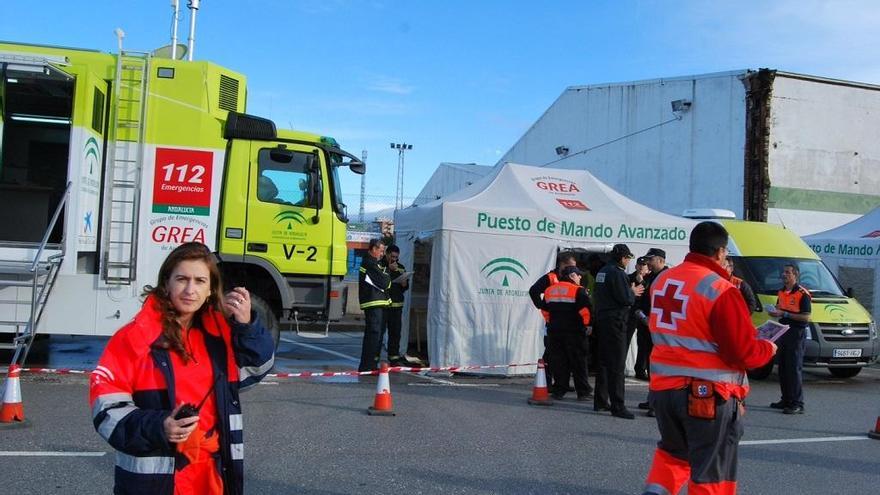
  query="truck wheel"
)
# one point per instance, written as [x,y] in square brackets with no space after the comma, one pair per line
[845,372]
[762,372]
[267,317]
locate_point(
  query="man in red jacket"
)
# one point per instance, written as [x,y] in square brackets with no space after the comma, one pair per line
[704,342]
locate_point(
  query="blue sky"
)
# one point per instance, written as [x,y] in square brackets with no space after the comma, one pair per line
[460,80]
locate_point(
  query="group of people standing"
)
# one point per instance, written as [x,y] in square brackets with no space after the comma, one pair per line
[611,313]
[381,287]
[696,341]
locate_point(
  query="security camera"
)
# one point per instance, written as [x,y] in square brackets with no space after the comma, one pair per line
[562,150]
[681,106]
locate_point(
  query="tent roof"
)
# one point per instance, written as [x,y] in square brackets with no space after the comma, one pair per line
[516,199]
[865,227]
[449,178]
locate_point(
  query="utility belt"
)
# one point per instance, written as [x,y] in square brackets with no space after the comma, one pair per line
[703,401]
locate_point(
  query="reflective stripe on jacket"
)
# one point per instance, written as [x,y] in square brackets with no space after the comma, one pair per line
[684,347]
[131,392]
[567,308]
[373,284]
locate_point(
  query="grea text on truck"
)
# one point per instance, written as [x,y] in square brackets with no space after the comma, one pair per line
[138,154]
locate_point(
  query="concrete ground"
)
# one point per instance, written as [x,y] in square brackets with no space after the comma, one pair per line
[451,434]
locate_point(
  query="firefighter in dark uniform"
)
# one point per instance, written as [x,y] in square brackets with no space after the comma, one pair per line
[536,292]
[394,312]
[373,283]
[613,298]
[793,308]
[704,342]
[567,309]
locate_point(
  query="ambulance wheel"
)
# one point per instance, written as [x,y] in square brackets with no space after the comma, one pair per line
[845,372]
[762,372]
[270,321]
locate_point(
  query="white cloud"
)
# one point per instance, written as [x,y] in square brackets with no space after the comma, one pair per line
[390,85]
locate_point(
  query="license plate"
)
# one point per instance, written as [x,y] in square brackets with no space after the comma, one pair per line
[847,353]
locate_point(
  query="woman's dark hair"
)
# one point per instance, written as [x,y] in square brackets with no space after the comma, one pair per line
[707,238]
[171,331]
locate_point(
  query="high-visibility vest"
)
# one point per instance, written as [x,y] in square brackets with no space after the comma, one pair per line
[684,348]
[736,281]
[791,301]
[564,295]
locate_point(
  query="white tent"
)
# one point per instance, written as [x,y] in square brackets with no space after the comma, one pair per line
[491,241]
[852,252]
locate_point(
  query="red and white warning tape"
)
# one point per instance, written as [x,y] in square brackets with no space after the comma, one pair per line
[394,369]
[310,374]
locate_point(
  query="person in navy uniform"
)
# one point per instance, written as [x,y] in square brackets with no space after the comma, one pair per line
[793,307]
[613,298]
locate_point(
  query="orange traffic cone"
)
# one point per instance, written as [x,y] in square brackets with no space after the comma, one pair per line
[540,397]
[12,411]
[876,433]
[382,405]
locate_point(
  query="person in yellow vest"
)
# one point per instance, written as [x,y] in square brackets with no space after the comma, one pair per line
[704,342]
[793,307]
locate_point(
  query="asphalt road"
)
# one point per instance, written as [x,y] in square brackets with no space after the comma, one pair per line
[451,435]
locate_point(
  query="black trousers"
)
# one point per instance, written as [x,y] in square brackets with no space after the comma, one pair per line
[611,332]
[568,351]
[704,450]
[790,357]
[372,345]
[643,356]
[393,324]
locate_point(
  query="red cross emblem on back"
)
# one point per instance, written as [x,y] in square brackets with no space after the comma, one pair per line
[669,304]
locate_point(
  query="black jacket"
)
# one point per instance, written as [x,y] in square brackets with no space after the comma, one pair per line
[396,290]
[613,293]
[537,289]
[568,309]
[373,283]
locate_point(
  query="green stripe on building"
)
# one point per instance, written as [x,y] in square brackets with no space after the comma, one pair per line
[813,200]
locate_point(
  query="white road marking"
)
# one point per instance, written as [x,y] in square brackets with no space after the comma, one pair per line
[452,384]
[50,454]
[328,351]
[803,440]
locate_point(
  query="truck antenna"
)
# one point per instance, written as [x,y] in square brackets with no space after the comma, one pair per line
[175,18]
[193,6]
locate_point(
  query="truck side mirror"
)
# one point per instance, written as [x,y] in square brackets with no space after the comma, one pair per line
[849,292]
[358,167]
[316,192]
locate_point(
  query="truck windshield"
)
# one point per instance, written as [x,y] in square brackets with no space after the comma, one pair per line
[766,274]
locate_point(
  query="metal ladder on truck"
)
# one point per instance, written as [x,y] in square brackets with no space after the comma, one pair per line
[125,160]
[24,289]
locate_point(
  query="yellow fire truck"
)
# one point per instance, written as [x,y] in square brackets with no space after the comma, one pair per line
[108,161]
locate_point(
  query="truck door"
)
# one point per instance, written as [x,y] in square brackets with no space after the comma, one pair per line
[289,221]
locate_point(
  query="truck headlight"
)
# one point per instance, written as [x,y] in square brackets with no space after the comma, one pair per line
[872,327]
[808,331]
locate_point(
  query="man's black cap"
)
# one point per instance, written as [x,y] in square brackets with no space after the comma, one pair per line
[642,260]
[569,270]
[621,251]
[656,252]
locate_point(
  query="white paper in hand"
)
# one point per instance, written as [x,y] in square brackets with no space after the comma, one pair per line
[771,330]
[402,278]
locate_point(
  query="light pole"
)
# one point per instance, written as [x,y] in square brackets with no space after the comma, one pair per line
[401,148]
[363,187]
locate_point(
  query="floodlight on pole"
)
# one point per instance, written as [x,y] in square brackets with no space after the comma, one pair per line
[401,149]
